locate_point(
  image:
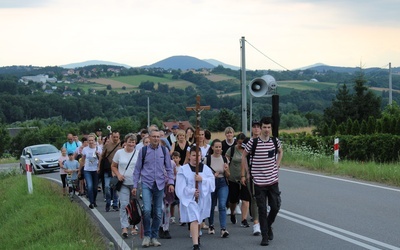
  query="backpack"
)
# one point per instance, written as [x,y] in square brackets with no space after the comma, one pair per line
[134,211]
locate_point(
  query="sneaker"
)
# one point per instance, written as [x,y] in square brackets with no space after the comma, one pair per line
[172,220]
[196,247]
[233,219]
[107,207]
[124,235]
[204,225]
[244,223]
[264,241]
[161,233]
[256,230]
[224,233]
[182,224]
[95,204]
[155,242]
[115,208]
[270,233]
[146,241]
[211,230]
[167,235]
[91,206]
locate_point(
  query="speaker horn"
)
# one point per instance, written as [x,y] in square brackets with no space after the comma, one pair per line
[262,85]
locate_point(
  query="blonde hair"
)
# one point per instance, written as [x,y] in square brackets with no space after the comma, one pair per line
[181,132]
[229,129]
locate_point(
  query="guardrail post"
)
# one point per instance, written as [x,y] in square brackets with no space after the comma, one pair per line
[28,168]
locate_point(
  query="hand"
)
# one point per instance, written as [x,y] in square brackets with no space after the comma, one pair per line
[134,191]
[196,193]
[198,177]
[171,188]
[243,180]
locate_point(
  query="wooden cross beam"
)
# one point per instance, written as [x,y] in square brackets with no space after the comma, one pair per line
[198,109]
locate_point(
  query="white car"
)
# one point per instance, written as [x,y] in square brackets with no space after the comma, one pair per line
[42,158]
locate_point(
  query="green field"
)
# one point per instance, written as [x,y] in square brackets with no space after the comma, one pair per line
[136,80]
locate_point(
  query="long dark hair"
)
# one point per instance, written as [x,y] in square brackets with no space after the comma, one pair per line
[210,150]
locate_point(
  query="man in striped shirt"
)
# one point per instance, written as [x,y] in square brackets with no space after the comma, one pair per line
[264,167]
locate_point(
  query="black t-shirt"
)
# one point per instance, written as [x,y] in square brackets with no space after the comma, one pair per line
[225,146]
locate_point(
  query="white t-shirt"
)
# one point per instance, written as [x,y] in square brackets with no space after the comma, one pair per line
[91,159]
[122,158]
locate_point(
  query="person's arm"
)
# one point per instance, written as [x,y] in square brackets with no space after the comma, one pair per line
[280,155]
[244,168]
[172,149]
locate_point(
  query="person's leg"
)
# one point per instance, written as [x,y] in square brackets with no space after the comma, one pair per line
[274,202]
[222,198]
[114,197]
[213,204]
[261,198]
[89,183]
[233,199]
[95,178]
[147,200]
[157,206]
[124,195]
[64,183]
[107,189]
[194,232]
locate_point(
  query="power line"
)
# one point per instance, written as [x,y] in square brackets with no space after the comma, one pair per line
[266,55]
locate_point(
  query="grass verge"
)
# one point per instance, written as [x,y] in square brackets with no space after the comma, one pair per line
[44,219]
[306,158]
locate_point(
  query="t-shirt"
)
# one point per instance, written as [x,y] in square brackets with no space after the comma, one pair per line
[263,169]
[226,146]
[91,160]
[217,164]
[122,158]
[71,146]
[235,164]
[72,165]
[60,161]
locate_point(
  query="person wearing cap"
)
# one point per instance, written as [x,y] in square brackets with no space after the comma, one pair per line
[172,137]
[265,159]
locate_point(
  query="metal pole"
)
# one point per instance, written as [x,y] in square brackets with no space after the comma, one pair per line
[148,112]
[244,86]
[390,83]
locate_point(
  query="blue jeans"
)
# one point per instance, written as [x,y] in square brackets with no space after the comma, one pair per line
[92,181]
[109,192]
[152,199]
[221,193]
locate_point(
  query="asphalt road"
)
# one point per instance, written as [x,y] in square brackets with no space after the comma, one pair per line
[318,212]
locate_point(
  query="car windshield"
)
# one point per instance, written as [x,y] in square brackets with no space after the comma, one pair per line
[43,150]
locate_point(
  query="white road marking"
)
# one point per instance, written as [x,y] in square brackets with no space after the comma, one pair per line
[339,179]
[328,230]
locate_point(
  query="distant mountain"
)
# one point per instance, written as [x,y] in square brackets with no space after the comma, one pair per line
[181,62]
[312,66]
[92,62]
[324,68]
[216,63]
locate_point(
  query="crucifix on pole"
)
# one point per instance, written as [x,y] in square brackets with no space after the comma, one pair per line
[198,109]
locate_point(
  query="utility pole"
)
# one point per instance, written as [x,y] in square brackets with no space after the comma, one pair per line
[390,83]
[244,86]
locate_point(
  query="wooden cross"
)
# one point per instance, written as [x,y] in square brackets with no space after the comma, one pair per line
[198,109]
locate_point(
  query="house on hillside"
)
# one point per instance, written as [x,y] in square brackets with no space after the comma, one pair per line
[38,78]
[181,124]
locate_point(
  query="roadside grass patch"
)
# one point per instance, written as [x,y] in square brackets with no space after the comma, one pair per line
[44,219]
[305,157]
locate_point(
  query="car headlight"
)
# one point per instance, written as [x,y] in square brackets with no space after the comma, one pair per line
[38,161]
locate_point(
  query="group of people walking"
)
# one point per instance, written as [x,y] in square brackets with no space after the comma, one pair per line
[164,172]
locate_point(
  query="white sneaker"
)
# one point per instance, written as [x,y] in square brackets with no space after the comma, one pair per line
[155,242]
[256,229]
[228,211]
[172,220]
[146,241]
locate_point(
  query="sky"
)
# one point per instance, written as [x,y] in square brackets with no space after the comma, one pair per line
[279,34]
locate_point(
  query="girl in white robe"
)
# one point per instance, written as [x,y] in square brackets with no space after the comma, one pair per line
[191,211]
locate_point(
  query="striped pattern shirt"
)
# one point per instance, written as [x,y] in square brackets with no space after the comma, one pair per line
[263,169]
